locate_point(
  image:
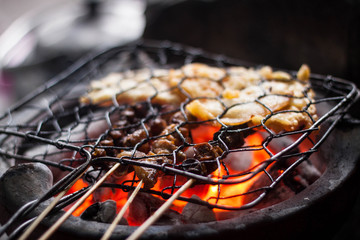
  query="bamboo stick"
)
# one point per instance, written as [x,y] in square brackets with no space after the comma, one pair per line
[140,230]
[32,227]
[44,213]
[110,230]
[67,214]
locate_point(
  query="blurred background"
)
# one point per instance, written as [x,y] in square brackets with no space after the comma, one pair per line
[39,39]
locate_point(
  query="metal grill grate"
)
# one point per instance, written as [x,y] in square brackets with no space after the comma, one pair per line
[51,127]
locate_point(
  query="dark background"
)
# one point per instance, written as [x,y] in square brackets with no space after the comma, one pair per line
[284,34]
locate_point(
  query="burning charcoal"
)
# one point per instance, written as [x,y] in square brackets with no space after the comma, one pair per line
[194,213]
[304,175]
[23,183]
[280,193]
[102,212]
[308,172]
[239,161]
[144,205]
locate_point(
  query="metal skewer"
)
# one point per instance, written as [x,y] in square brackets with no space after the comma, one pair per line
[110,230]
[58,223]
[140,230]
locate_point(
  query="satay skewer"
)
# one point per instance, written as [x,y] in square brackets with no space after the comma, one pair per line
[46,211]
[67,214]
[140,230]
[110,230]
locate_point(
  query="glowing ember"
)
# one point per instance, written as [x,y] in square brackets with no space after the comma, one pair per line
[80,184]
[203,133]
[257,157]
[230,195]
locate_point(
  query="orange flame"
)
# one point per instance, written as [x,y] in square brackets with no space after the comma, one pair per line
[80,184]
[203,133]
[210,192]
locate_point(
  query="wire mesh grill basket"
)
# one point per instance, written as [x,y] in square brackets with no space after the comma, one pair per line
[51,126]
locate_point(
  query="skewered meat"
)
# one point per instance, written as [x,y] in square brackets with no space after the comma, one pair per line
[161,153]
[237,97]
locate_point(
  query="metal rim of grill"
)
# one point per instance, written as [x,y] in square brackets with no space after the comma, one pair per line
[53,110]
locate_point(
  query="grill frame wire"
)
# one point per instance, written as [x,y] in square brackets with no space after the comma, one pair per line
[328,82]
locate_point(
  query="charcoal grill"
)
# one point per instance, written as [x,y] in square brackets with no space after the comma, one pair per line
[53,112]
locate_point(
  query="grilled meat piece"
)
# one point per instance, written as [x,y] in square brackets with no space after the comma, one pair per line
[208,155]
[147,174]
[157,151]
[162,151]
[234,98]
[235,95]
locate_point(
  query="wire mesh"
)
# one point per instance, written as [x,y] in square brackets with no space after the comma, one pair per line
[51,126]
